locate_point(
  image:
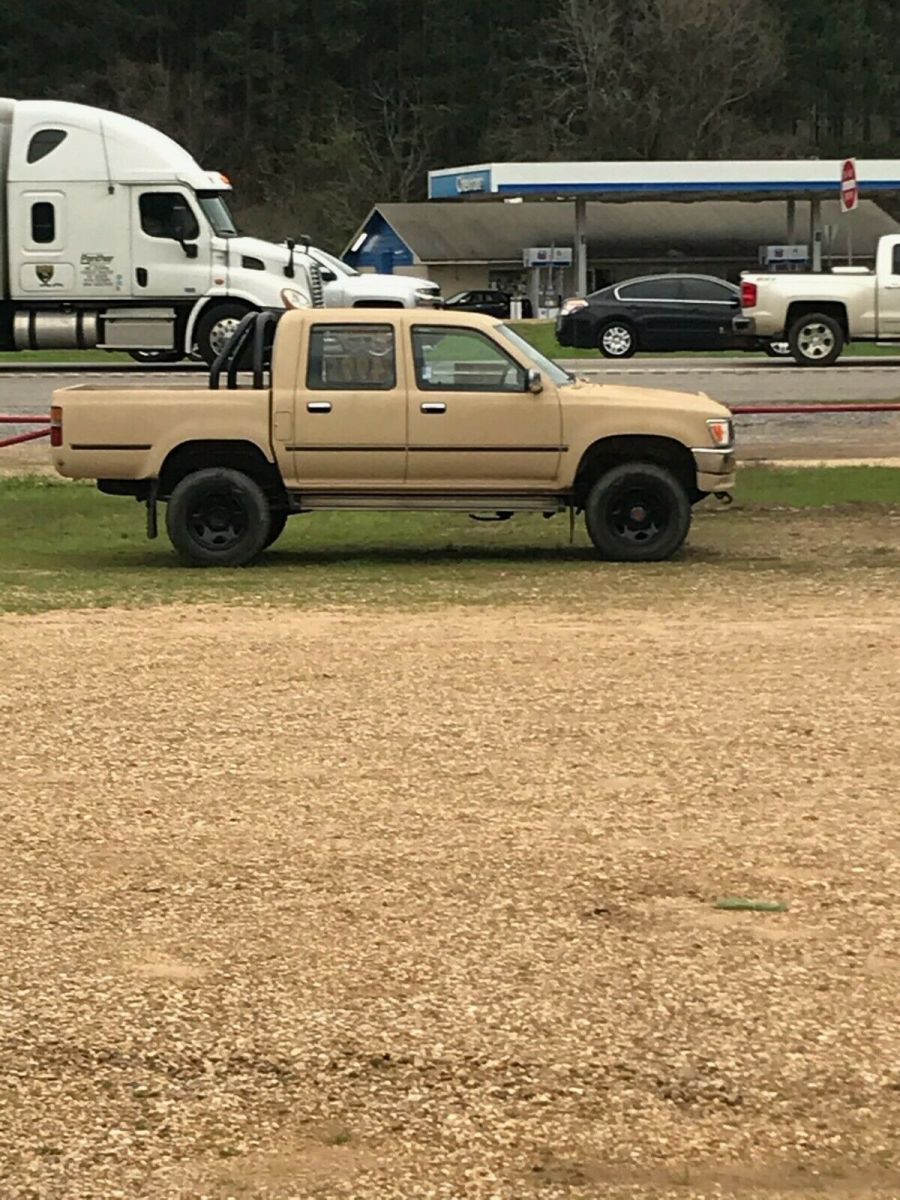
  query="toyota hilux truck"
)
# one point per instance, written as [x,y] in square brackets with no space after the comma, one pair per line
[818,314]
[396,410]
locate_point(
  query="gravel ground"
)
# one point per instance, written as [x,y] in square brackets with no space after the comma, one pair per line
[389,906]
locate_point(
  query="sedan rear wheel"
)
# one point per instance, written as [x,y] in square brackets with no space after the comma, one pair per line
[617,340]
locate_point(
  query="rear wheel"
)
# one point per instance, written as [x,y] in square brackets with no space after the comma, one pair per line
[637,512]
[816,340]
[617,339]
[777,349]
[218,517]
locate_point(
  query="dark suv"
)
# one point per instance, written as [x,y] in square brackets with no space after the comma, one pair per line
[657,312]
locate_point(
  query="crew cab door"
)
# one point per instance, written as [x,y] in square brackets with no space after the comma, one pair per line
[171,245]
[350,408]
[472,423]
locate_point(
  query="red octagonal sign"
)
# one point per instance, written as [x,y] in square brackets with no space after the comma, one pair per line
[849,186]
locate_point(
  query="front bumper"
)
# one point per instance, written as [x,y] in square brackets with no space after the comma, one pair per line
[745,325]
[434,301]
[715,469]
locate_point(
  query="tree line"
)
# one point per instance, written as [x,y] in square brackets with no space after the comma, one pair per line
[319,108]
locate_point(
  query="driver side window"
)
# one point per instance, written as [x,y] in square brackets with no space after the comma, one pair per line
[462,360]
[168,215]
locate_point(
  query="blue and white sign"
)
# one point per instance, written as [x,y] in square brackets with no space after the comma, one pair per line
[451,184]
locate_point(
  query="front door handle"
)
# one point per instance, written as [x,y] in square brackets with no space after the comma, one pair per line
[319,406]
[433,407]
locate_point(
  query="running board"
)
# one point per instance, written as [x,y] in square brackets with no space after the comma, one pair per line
[309,501]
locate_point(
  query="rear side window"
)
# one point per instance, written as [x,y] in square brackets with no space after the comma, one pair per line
[895,269]
[653,289]
[709,290]
[167,215]
[352,357]
[44,143]
[43,223]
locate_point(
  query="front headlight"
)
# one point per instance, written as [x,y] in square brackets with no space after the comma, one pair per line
[721,431]
[573,305]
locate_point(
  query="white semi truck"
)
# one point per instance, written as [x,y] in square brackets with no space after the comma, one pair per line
[112,236]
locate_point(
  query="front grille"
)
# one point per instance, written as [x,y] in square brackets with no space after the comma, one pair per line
[316,288]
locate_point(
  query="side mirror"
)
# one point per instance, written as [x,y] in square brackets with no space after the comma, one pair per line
[328,276]
[183,228]
[534,382]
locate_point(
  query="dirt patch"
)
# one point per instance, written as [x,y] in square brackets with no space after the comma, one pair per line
[340,905]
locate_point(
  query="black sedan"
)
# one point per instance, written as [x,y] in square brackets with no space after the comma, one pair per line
[658,312]
[490,301]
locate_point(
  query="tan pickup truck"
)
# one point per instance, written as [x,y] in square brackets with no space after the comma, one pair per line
[401,410]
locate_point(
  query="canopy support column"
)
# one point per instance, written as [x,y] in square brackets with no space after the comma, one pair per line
[581,246]
[815,233]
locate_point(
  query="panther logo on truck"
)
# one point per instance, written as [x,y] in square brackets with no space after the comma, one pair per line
[45,273]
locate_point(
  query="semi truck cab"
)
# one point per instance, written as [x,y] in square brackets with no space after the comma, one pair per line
[112,236]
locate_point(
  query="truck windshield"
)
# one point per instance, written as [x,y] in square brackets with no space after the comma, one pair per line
[217,212]
[324,259]
[552,370]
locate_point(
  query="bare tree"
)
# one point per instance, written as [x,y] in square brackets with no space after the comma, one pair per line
[656,78]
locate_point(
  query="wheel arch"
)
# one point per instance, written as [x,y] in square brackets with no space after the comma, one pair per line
[836,309]
[609,452]
[207,302]
[244,456]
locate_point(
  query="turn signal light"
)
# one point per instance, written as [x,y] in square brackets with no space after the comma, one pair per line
[56,432]
[748,295]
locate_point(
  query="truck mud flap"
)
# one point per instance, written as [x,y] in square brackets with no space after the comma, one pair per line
[152,521]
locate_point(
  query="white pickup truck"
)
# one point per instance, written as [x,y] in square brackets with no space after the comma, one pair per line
[818,314]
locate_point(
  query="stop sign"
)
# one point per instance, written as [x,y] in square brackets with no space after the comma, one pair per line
[849,186]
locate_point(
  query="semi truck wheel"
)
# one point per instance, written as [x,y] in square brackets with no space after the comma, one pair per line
[218,517]
[637,512]
[816,340]
[216,328]
[617,339]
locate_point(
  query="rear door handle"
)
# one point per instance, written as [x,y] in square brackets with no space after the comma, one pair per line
[433,407]
[319,406]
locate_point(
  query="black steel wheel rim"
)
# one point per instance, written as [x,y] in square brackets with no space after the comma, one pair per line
[639,515]
[217,520]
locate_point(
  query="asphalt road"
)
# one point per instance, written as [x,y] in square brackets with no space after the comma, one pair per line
[733,381]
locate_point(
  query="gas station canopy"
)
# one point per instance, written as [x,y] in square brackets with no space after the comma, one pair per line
[785,179]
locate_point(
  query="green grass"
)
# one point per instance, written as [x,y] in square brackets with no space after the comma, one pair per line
[66,356]
[67,546]
[542,336]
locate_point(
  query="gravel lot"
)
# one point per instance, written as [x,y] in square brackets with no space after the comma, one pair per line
[421,905]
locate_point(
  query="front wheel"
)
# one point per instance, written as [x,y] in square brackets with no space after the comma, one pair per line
[617,340]
[637,512]
[777,349]
[276,527]
[216,328]
[816,340]
[218,517]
